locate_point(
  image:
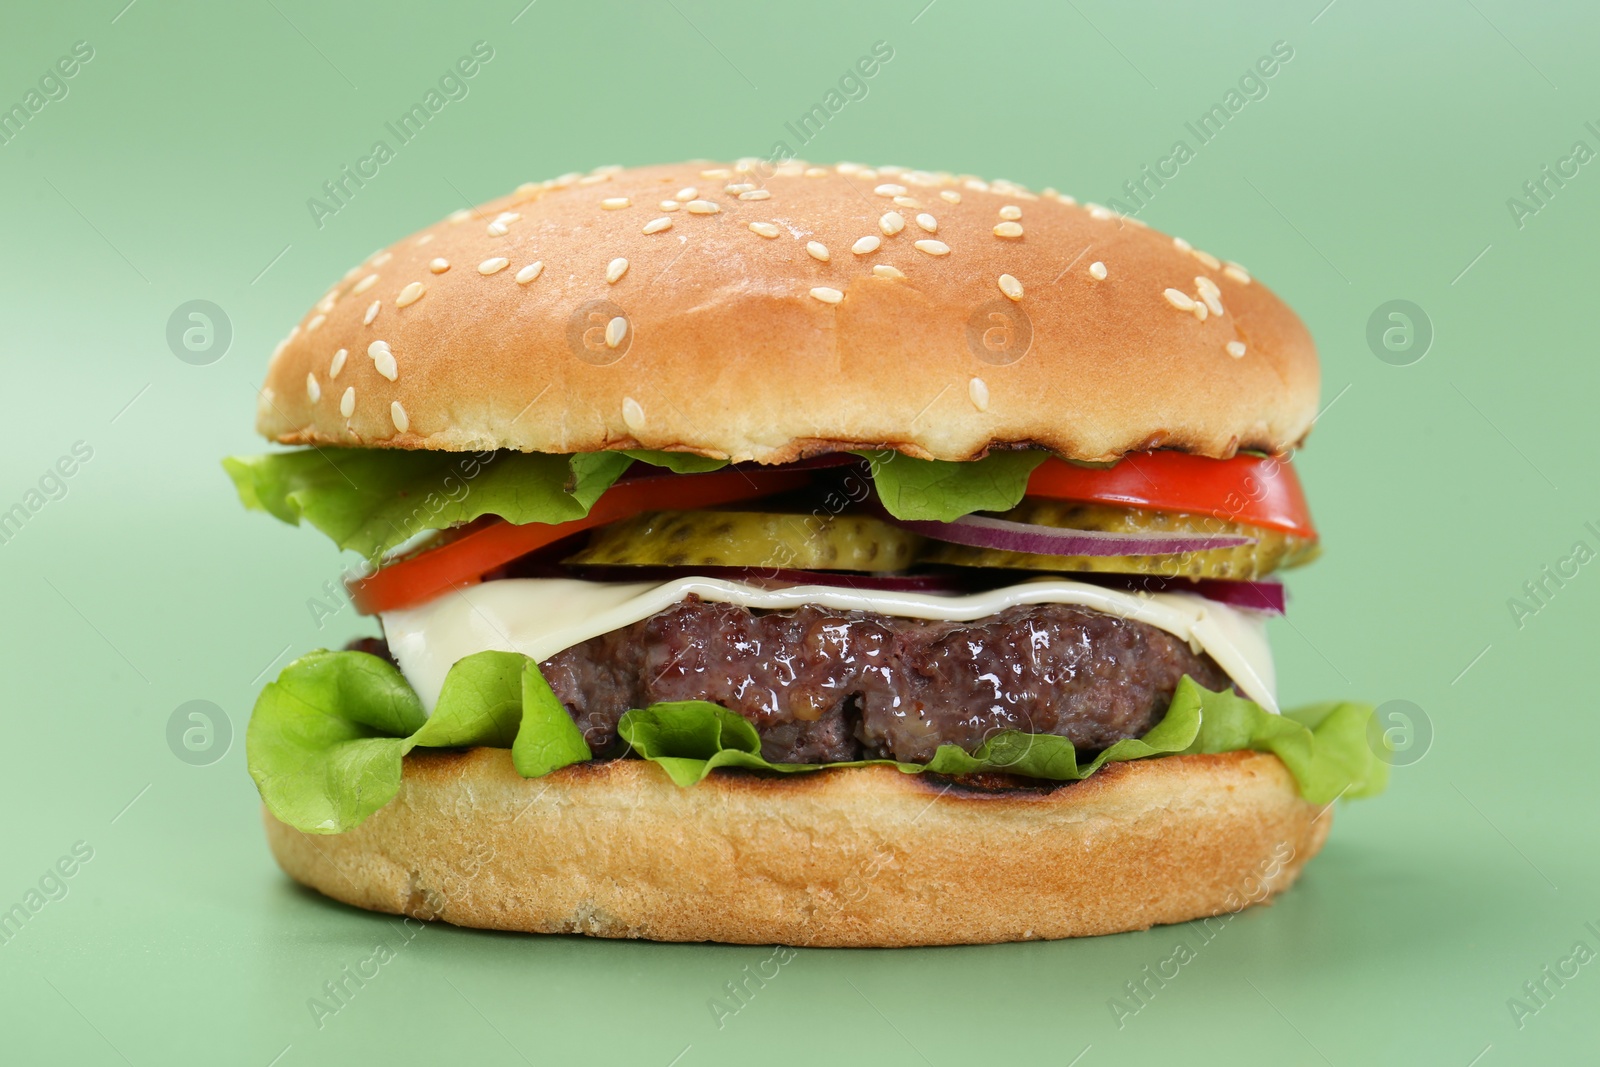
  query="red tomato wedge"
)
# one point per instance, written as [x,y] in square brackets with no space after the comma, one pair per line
[1256,490]
[464,560]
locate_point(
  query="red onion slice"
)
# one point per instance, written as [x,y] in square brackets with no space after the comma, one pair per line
[983,531]
[1265,596]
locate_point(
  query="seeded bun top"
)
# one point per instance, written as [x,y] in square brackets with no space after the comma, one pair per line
[759,313]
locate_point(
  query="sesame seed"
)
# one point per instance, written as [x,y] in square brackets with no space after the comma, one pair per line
[364,284]
[1098,212]
[494,265]
[817,250]
[383,360]
[977,185]
[883,270]
[316,320]
[632,414]
[848,168]
[892,223]
[978,390]
[327,302]
[337,363]
[372,312]
[933,248]
[738,187]
[765,229]
[688,192]
[398,414]
[530,272]
[950,196]
[313,390]
[1097,271]
[381,258]
[1235,349]
[702,207]
[410,294]
[616,330]
[1209,293]
[657,225]
[827,295]
[439,266]
[569,178]
[1011,287]
[426,238]
[816,172]
[669,205]
[1011,212]
[1237,273]
[1181,245]
[615,203]
[594,179]
[1201,311]
[1008,229]
[615,270]
[909,202]
[866,244]
[928,222]
[1179,300]
[347,403]
[755,194]
[717,173]
[460,214]
[1211,261]
[498,229]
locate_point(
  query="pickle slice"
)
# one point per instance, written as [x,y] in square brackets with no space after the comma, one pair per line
[751,539]
[1273,548]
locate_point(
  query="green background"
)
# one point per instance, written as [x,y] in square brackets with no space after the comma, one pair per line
[1377,168]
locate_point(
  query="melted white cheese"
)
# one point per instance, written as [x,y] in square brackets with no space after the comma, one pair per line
[542,616]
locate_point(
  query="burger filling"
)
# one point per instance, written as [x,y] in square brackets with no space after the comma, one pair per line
[1010,613]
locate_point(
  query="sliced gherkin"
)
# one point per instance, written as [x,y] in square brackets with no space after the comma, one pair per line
[752,539]
[1273,549]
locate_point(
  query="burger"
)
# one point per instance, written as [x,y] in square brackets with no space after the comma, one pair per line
[793,554]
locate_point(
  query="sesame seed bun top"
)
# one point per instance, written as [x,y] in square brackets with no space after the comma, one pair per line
[759,313]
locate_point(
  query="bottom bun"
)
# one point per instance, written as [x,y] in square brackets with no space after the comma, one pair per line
[859,856]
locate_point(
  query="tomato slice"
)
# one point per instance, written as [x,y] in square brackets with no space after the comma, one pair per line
[463,561]
[1256,490]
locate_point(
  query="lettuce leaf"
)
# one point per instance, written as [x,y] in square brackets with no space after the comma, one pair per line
[326,741]
[1325,747]
[944,491]
[373,499]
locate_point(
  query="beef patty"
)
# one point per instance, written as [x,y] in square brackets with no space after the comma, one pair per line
[823,686]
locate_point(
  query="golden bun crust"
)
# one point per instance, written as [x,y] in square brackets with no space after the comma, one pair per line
[848,857]
[726,351]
